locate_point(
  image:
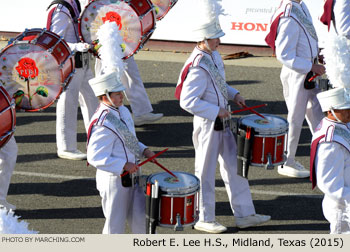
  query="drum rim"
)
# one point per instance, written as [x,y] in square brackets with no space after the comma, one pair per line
[177,190]
[270,131]
[13,114]
[171,5]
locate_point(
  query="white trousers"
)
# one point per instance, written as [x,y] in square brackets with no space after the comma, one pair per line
[78,93]
[135,91]
[121,204]
[301,103]
[8,157]
[211,146]
[338,216]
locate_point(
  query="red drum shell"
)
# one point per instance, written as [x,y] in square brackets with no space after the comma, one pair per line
[177,198]
[269,139]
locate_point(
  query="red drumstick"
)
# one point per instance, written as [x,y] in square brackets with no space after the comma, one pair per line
[146,161]
[165,169]
[252,110]
[248,108]
[313,77]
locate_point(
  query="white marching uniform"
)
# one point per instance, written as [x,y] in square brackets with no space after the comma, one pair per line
[201,97]
[332,164]
[297,49]
[8,157]
[341,11]
[135,91]
[107,152]
[78,91]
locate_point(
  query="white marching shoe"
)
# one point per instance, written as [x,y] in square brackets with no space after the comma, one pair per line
[72,155]
[210,227]
[147,118]
[6,205]
[251,220]
[296,170]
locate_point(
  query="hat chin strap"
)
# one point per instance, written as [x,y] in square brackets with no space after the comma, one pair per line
[332,111]
[109,99]
[207,45]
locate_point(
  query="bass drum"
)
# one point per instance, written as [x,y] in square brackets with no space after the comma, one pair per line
[35,68]
[135,18]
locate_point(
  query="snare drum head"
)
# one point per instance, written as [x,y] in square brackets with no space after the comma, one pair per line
[30,74]
[271,125]
[122,13]
[184,183]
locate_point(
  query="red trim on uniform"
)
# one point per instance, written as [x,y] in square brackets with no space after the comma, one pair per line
[312,160]
[271,36]
[183,78]
[326,17]
[49,18]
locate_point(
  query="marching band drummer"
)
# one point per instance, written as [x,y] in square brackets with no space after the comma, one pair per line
[294,38]
[338,13]
[330,159]
[8,157]
[113,149]
[203,92]
[62,20]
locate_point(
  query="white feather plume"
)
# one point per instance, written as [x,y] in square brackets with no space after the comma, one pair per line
[337,61]
[111,52]
[206,11]
[9,224]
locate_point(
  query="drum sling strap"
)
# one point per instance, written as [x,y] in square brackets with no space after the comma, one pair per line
[65,4]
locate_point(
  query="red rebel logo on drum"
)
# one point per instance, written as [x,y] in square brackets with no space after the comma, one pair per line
[27,68]
[113,17]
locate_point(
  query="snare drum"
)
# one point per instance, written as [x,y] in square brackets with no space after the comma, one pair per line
[162,7]
[35,67]
[135,18]
[178,205]
[269,144]
[7,117]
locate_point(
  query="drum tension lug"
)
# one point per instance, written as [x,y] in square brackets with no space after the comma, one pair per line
[269,165]
[178,225]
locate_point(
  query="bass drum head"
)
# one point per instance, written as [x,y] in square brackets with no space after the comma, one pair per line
[162,7]
[271,125]
[127,19]
[31,75]
[183,184]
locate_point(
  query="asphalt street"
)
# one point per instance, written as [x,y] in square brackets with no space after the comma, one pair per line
[59,196]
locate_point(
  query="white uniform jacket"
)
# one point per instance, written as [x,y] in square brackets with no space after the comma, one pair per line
[106,149]
[200,95]
[332,167]
[341,11]
[296,44]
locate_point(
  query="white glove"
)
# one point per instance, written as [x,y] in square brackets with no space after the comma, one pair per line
[82,47]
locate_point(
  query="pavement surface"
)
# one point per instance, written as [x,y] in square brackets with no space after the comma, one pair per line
[59,196]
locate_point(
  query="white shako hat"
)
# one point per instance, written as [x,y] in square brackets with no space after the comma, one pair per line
[111,56]
[106,83]
[336,54]
[336,98]
[206,24]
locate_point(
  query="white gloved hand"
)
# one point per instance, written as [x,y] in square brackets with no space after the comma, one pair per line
[82,47]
